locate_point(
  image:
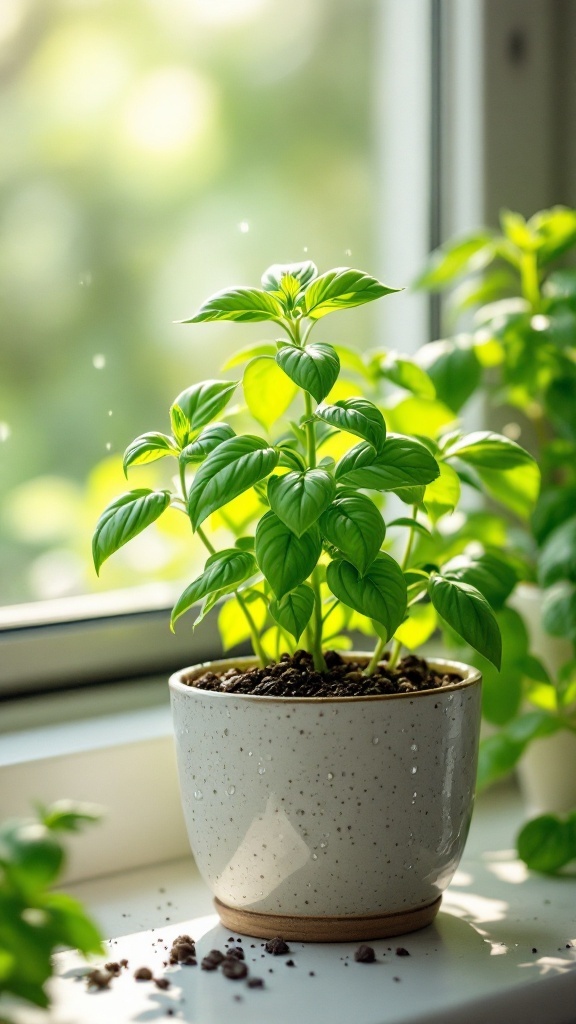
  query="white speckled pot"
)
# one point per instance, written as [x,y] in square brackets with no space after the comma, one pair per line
[330,818]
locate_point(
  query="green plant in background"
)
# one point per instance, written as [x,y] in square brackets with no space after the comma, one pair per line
[521,352]
[308,554]
[34,920]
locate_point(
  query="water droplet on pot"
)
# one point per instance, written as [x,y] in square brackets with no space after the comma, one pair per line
[314,856]
[197,794]
[330,775]
[408,867]
[261,770]
[414,795]
[249,753]
[375,741]
[413,770]
[323,845]
[414,746]
[231,790]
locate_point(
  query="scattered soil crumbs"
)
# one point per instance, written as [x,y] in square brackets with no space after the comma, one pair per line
[295,676]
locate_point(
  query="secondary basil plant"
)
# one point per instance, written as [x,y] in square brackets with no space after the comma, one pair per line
[309,554]
[521,351]
[34,920]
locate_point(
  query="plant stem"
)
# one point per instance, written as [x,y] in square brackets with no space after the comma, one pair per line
[310,432]
[319,661]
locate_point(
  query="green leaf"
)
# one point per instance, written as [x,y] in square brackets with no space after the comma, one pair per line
[243,355]
[516,489]
[473,252]
[198,405]
[223,571]
[548,843]
[293,611]
[124,518]
[556,230]
[443,494]
[355,526]
[411,524]
[299,498]
[246,305]
[415,416]
[148,448]
[468,613]
[554,506]
[314,368]
[502,690]
[356,416]
[341,289]
[302,273]
[492,576]
[268,392]
[70,925]
[407,374]
[402,462]
[29,854]
[379,595]
[205,443]
[557,559]
[69,815]
[487,450]
[233,467]
[453,368]
[285,559]
[559,610]
[497,756]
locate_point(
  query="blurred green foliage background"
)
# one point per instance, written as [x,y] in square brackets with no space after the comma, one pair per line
[155,151]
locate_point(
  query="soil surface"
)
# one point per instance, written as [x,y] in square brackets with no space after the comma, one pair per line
[295,676]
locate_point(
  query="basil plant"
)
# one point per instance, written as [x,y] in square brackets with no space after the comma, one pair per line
[315,557]
[519,351]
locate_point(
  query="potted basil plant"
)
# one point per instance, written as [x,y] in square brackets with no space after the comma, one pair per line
[520,353]
[327,795]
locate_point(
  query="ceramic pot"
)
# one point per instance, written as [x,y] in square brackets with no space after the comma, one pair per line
[331,818]
[546,772]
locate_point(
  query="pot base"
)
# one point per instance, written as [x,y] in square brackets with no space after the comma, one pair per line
[349,928]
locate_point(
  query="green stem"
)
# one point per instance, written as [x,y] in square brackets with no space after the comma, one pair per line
[319,661]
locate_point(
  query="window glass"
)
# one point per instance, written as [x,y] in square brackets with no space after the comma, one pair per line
[155,151]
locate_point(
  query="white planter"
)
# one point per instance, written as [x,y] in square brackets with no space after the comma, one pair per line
[330,818]
[547,771]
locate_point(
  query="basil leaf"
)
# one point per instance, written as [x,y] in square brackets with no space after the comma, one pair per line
[198,405]
[148,448]
[303,273]
[298,499]
[314,368]
[402,462]
[453,368]
[492,576]
[285,559]
[516,489]
[124,518]
[453,258]
[443,494]
[411,524]
[548,842]
[557,559]
[243,355]
[267,390]
[488,450]
[559,610]
[380,594]
[407,374]
[468,613]
[223,571]
[246,305]
[205,443]
[293,611]
[355,526]
[341,289]
[233,467]
[356,416]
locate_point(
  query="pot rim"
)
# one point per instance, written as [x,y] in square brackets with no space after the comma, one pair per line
[470,677]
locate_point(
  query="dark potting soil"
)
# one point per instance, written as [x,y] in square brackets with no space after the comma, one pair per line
[295,676]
